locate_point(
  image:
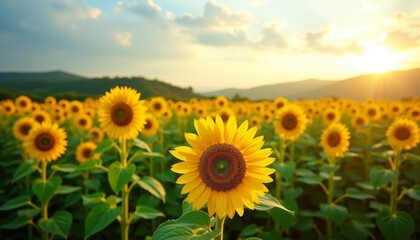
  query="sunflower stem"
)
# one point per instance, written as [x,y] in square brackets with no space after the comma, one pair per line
[394,185]
[330,196]
[44,205]
[219,226]
[125,194]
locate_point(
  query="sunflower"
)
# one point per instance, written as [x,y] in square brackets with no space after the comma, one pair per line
[83,121]
[414,113]
[121,113]
[167,114]
[403,134]
[221,102]
[279,103]
[50,101]
[96,134]
[267,116]
[24,103]
[64,104]
[359,120]
[373,111]
[75,107]
[41,116]
[46,142]
[84,152]
[225,113]
[225,166]
[151,127]
[335,140]
[9,107]
[22,127]
[184,109]
[331,115]
[158,105]
[290,122]
[201,111]
[255,121]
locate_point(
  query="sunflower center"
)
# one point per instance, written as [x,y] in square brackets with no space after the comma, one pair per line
[148,125]
[87,152]
[289,122]
[372,112]
[402,133]
[82,122]
[222,167]
[225,117]
[334,139]
[95,135]
[360,121]
[75,109]
[8,109]
[44,142]
[39,118]
[415,113]
[330,116]
[121,114]
[24,129]
[23,104]
[280,105]
[157,106]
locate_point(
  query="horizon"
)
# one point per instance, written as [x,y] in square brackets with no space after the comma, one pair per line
[211,45]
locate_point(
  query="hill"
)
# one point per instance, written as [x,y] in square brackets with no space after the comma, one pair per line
[392,85]
[70,86]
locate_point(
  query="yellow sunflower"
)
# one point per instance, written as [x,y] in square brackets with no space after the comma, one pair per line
[225,166]
[50,101]
[24,103]
[225,113]
[359,120]
[221,102]
[121,113]
[83,121]
[373,112]
[96,134]
[84,152]
[22,127]
[75,107]
[414,113]
[279,103]
[9,107]
[255,121]
[290,122]
[158,105]
[41,116]
[201,111]
[46,142]
[403,134]
[151,127]
[331,115]
[267,116]
[335,140]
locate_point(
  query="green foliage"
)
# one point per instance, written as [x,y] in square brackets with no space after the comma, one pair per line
[100,217]
[58,224]
[118,175]
[400,226]
[46,190]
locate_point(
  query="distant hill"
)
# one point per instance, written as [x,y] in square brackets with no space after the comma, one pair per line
[70,86]
[393,85]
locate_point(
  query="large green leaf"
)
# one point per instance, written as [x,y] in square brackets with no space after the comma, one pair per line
[195,219]
[93,198]
[249,230]
[398,227]
[285,219]
[15,203]
[334,212]
[103,146]
[151,185]
[414,192]
[118,175]
[100,217]
[380,177]
[45,190]
[64,167]
[141,144]
[58,224]
[15,223]
[24,170]
[357,194]
[268,202]
[63,189]
[147,212]
[89,164]
[286,169]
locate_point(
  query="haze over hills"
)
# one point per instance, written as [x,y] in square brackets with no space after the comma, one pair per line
[393,85]
[44,76]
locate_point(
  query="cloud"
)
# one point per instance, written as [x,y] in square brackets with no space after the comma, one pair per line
[401,41]
[143,8]
[272,36]
[317,40]
[215,15]
[236,38]
[123,38]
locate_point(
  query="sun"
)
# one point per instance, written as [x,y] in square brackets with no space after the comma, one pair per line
[377,59]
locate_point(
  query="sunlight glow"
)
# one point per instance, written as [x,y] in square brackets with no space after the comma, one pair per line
[377,59]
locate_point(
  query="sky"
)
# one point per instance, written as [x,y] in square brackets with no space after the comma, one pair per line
[212,44]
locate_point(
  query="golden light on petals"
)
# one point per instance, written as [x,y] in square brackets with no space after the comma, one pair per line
[403,134]
[335,140]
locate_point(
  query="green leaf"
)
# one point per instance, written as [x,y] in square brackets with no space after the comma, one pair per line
[58,224]
[305,172]
[174,230]
[268,202]
[286,169]
[15,203]
[45,190]
[357,194]
[329,169]
[151,185]
[24,170]
[283,218]
[414,192]
[186,207]
[411,156]
[311,180]
[15,223]
[292,193]
[147,212]
[249,230]
[103,146]
[64,167]
[93,198]
[195,219]
[89,164]
[207,236]
[118,175]
[380,177]
[66,189]
[141,144]
[99,218]
[27,213]
[334,212]
[400,226]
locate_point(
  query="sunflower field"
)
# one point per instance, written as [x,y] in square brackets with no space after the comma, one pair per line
[123,167]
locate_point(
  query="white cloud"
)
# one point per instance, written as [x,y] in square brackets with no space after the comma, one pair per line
[143,8]
[123,38]
[95,13]
[272,35]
